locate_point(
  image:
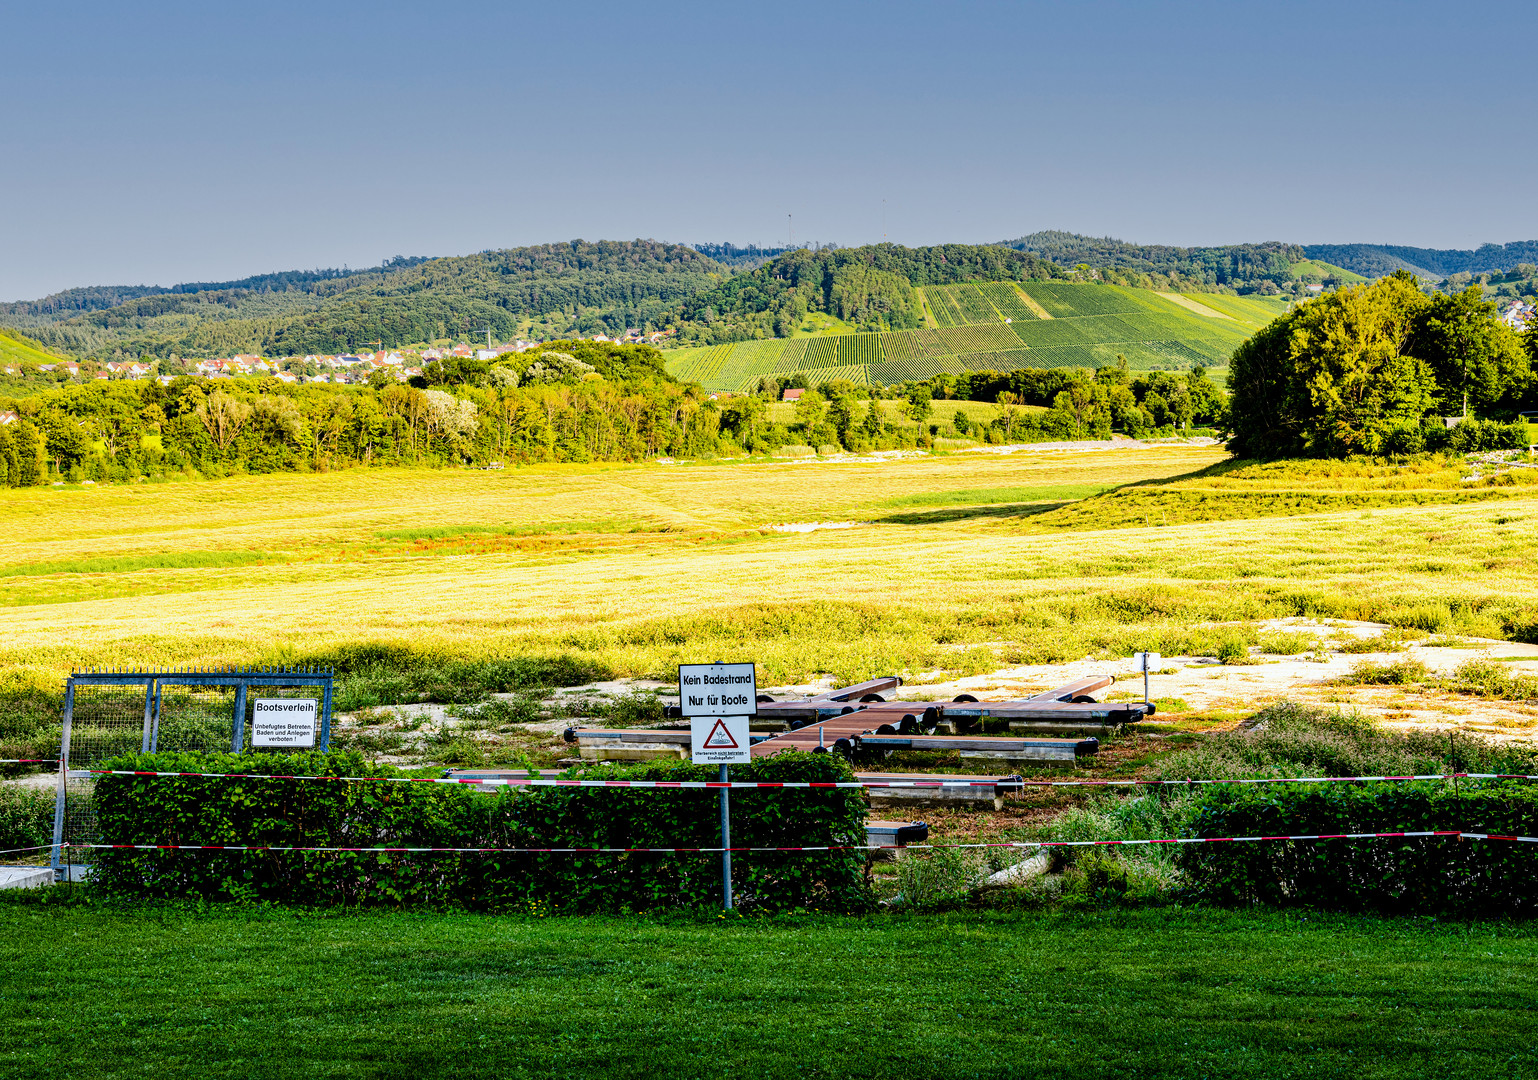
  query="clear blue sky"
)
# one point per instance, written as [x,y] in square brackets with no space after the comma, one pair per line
[160,142]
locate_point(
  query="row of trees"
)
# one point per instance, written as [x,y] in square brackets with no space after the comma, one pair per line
[1079,404]
[1361,369]
[568,401]
[612,403]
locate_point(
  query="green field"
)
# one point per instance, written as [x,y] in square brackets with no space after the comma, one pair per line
[1154,993]
[1324,269]
[16,349]
[1183,541]
[1000,326]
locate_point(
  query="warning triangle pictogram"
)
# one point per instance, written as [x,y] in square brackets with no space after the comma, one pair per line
[720,738]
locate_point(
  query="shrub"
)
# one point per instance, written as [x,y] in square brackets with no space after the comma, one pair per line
[936,878]
[26,818]
[1488,678]
[1288,739]
[1432,618]
[371,673]
[1388,641]
[1476,436]
[1288,643]
[365,814]
[1418,875]
[635,710]
[1404,439]
[1232,650]
[1395,673]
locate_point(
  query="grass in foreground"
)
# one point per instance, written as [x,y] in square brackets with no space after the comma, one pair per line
[1156,993]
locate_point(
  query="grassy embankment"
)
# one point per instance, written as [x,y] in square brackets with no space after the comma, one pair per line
[1171,993]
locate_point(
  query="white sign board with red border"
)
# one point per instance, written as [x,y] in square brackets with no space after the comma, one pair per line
[719,740]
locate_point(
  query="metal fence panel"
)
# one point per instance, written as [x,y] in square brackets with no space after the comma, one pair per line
[111,713]
[108,720]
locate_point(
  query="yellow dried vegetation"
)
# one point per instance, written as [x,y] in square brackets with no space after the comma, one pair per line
[630,569]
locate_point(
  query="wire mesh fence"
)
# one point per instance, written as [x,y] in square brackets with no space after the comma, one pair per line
[107,720]
[191,717]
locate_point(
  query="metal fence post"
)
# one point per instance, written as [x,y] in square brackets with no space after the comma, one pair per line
[726,841]
[325,715]
[149,704]
[155,728]
[55,859]
[238,728]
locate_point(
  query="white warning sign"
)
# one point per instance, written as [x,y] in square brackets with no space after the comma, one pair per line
[719,740]
[287,722]
[718,689]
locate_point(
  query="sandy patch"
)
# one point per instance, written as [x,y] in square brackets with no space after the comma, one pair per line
[1235,690]
[810,526]
[1193,306]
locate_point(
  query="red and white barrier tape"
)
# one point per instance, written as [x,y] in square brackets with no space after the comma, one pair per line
[29,761]
[751,784]
[1019,844]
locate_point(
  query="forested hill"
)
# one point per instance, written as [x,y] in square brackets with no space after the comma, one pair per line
[1245,266]
[62,305]
[1238,266]
[1378,260]
[545,291]
[871,288]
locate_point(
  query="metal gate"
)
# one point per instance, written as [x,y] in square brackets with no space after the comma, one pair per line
[107,713]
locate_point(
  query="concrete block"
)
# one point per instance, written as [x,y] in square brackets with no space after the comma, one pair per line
[635,752]
[25,877]
[977,798]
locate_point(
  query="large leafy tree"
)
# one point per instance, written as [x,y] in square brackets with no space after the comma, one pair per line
[1350,349]
[1339,373]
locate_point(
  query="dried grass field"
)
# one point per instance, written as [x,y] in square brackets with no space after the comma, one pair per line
[956,564]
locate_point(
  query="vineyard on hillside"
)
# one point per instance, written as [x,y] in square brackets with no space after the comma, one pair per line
[1002,327]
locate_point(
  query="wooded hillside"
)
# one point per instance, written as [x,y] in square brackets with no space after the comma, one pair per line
[545,291]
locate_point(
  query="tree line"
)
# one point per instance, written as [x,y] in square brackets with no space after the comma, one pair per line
[568,401]
[1242,267]
[871,287]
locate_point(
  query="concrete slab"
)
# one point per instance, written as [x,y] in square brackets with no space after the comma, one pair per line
[25,877]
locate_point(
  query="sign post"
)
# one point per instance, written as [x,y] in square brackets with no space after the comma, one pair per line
[1148,661]
[718,699]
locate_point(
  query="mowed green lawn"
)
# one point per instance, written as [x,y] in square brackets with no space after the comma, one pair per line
[1162,993]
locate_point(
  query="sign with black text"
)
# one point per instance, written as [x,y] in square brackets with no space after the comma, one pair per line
[284,722]
[717,689]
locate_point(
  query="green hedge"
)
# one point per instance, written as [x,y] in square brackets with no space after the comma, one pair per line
[194,810]
[1429,875]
